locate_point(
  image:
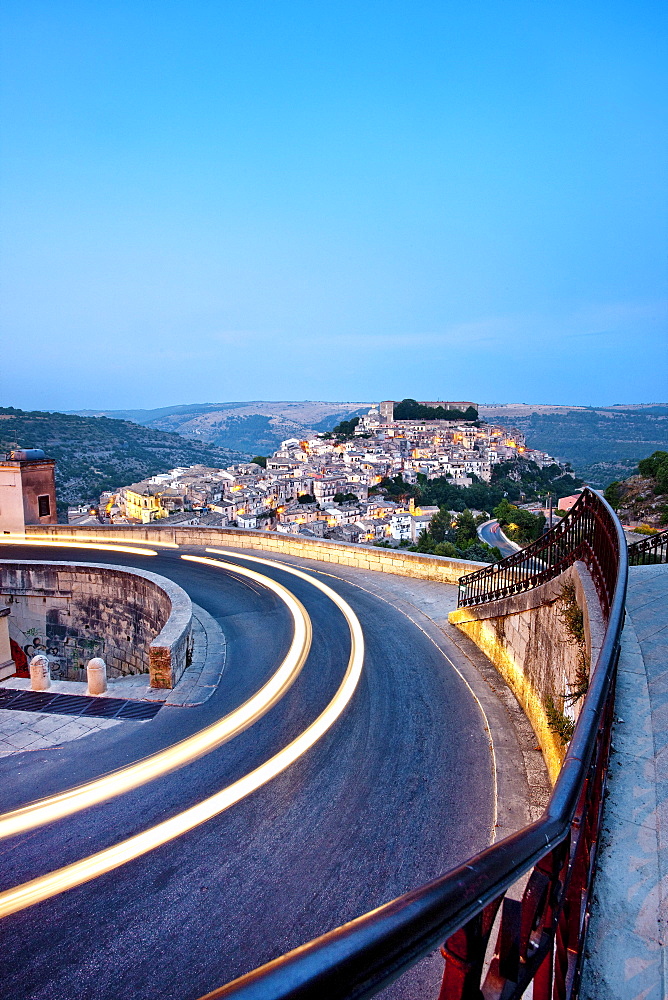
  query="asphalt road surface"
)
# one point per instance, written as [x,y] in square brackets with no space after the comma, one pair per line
[491,533]
[399,791]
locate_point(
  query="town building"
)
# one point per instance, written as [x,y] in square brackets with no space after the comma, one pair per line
[27,490]
[322,468]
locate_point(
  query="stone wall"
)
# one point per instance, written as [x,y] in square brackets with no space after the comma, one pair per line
[526,638]
[398,561]
[138,622]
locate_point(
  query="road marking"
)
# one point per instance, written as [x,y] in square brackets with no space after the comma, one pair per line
[374,593]
[118,782]
[91,867]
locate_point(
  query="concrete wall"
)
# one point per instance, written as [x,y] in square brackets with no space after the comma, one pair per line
[38,478]
[6,662]
[138,622]
[11,498]
[529,644]
[399,561]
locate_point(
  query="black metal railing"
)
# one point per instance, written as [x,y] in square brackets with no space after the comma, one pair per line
[540,937]
[650,550]
[587,532]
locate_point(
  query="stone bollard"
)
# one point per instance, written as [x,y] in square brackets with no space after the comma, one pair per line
[97,675]
[40,673]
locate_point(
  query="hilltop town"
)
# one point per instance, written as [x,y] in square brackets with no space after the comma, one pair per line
[329,484]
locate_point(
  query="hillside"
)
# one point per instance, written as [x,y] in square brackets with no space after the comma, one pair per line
[257,427]
[643,498]
[96,453]
[602,444]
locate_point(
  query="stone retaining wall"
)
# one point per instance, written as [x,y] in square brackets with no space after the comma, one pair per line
[369,557]
[138,622]
[526,639]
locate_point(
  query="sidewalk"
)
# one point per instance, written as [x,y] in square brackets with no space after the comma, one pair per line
[626,957]
[23,731]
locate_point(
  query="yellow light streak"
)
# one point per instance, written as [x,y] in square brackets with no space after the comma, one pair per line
[118,782]
[91,867]
[18,539]
[130,550]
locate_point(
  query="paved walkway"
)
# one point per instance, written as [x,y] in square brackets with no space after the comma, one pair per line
[21,731]
[627,957]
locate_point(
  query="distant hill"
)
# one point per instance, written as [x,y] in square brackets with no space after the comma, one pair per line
[602,444]
[94,454]
[256,427]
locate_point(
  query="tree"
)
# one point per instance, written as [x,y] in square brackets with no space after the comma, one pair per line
[344,430]
[410,409]
[260,460]
[613,494]
[440,526]
[306,498]
[521,525]
[345,497]
[656,467]
[466,531]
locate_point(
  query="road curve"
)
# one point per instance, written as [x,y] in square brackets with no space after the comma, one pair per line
[490,532]
[399,790]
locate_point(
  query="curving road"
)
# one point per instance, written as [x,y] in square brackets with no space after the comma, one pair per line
[490,532]
[398,791]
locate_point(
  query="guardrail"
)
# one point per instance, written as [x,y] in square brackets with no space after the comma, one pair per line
[650,550]
[588,532]
[540,936]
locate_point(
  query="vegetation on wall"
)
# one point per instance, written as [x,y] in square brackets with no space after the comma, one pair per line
[572,617]
[558,722]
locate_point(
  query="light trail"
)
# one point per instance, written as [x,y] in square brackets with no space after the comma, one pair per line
[118,782]
[5,540]
[18,539]
[91,867]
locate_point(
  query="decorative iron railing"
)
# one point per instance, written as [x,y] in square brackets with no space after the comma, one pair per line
[588,532]
[540,937]
[650,550]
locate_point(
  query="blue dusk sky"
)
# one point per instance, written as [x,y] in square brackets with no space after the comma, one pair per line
[229,199]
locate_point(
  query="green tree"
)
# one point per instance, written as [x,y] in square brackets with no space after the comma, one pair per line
[440,526]
[466,531]
[260,460]
[613,494]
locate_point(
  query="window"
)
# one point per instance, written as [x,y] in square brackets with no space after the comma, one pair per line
[44,506]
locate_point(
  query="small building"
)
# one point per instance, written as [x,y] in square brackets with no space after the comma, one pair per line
[27,490]
[565,503]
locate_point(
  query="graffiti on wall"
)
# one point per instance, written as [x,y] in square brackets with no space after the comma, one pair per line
[68,649]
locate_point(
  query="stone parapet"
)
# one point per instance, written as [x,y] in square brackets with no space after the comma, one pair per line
[137,621]
[526,638]
[398,561]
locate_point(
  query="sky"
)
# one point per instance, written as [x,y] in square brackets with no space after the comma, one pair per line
[229,200]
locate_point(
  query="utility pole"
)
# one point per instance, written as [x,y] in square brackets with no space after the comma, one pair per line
[549,502]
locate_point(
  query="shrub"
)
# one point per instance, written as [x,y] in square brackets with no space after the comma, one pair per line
[558,722]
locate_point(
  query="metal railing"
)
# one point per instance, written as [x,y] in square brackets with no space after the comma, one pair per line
[540,937]
[650,550]
[588,532]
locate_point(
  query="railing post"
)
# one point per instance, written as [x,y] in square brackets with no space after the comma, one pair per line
[464,954]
